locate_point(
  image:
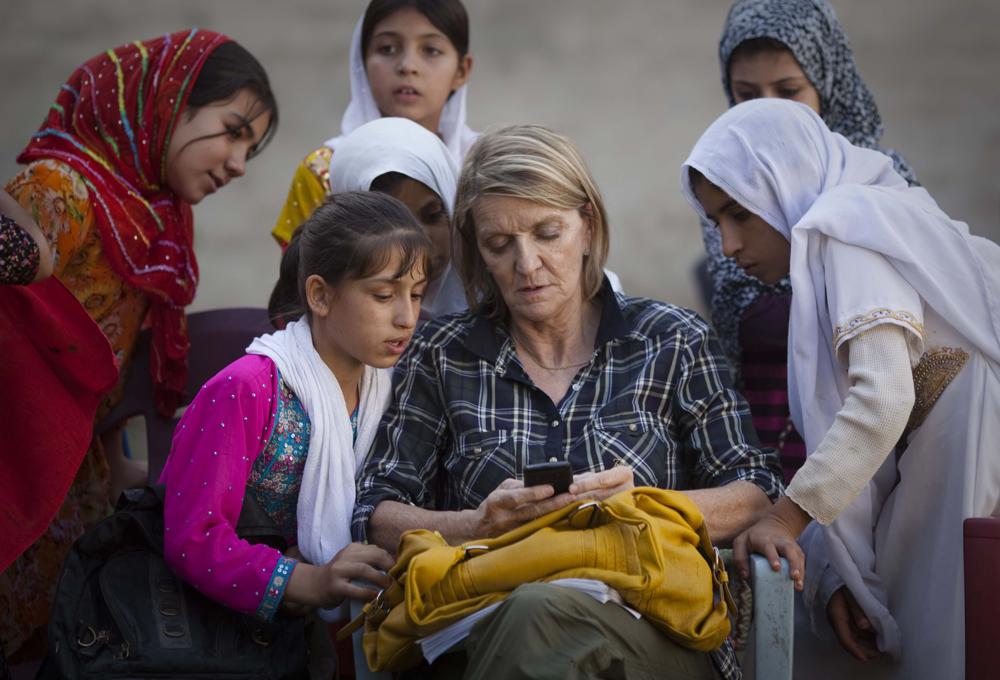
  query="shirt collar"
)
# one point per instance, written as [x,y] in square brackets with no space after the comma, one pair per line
[486,338]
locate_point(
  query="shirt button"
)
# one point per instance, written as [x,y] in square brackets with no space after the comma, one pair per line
[633,427]
[554,423]
[477,449]
[553,459]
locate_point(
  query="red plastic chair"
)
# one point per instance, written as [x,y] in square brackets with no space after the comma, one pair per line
[982,598]
[218,337]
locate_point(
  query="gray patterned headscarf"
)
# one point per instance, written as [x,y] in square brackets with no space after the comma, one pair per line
[812,33]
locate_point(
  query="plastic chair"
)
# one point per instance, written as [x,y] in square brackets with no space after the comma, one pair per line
[982,599]
[772,631]
[218,337]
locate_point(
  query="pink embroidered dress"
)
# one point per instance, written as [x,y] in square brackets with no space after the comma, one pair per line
[245,432]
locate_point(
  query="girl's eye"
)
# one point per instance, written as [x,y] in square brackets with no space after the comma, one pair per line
[387,50]
[234,132]
[433,51]
[383,297]
[417,296]
[742,216]
[787,93]
[744,96]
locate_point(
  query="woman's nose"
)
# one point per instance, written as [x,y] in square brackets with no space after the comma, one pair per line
[526,258]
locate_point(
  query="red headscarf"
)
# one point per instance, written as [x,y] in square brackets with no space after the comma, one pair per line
[112,123]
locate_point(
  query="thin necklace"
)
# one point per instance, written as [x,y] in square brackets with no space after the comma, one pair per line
[536,362]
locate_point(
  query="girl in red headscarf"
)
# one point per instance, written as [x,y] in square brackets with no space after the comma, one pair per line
[137,135]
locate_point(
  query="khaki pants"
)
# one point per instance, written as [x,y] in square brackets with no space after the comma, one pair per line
[547,632]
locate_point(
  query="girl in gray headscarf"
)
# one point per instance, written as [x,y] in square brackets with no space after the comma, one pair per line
[791,49]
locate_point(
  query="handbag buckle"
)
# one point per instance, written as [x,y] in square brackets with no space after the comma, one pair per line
[473,550]
[589,505]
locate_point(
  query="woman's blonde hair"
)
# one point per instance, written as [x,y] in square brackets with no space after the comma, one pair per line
[536,164]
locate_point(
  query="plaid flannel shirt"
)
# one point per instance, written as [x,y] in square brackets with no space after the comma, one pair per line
[656,396]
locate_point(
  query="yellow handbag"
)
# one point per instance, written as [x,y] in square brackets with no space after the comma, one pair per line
[650,545]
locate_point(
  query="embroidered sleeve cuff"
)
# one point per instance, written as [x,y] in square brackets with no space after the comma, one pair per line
[276,588]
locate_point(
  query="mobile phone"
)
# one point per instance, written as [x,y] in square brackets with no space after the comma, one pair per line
[559,474]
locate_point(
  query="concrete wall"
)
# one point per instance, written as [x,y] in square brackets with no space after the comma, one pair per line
[634,82]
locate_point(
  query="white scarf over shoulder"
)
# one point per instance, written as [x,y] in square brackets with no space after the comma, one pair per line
[326,497]
[400,145]
[779,160]
[458,138]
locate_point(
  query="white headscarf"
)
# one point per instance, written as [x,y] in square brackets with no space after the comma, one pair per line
[400,145]
[326,496]
[363,109]
[779,160]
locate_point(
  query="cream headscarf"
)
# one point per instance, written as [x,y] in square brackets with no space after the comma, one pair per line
[779,160]
[400,145]
[363,109]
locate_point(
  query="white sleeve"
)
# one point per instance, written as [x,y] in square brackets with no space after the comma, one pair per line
[864,290]
[865,430]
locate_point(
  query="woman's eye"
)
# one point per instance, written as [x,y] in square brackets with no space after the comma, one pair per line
[496,246]
[788,93]
[234,132]
[548,236]
[742,96]
[742,216]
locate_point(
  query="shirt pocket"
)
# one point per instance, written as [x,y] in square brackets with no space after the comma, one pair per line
[476,445]
[636,442]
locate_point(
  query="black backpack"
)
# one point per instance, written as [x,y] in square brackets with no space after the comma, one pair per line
[120,612]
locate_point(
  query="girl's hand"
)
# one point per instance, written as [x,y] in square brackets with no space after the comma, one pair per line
[327,585]
[854,631]
[775,536]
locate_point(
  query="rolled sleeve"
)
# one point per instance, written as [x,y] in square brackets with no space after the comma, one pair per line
[716,429]
[403,462]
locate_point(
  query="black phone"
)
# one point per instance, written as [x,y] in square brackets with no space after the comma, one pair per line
[558,473]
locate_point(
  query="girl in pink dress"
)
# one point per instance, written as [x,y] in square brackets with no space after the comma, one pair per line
[288,422]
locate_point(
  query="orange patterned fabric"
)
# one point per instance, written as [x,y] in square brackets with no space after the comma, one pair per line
[60,202]
[112,122]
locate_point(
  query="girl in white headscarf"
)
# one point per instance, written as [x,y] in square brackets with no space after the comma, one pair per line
[894,381]
[399,157]
[409,58]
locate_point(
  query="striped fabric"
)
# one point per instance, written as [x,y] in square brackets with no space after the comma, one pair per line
[764,343]
[656,396]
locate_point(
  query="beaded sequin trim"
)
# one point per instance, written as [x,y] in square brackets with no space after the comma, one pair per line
[276,588]
[841,332]
[933,373]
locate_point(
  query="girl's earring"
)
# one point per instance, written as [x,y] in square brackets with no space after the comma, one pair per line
[586,253]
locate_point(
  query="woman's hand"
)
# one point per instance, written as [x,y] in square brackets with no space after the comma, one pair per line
[853,628]
[327,585]
[775,536]
[512,504]
[598,486]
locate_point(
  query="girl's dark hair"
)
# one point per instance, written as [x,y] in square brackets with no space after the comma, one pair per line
[227,71]
[350,236]
[754,46]
[447,16]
